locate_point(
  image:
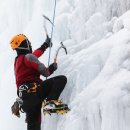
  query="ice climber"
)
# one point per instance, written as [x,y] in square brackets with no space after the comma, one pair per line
[31,90]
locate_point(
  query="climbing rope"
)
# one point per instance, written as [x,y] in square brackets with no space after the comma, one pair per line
[52,33]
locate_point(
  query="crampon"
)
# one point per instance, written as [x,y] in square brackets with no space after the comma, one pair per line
[55,107]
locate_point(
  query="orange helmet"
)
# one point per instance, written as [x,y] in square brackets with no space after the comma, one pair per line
[17,40]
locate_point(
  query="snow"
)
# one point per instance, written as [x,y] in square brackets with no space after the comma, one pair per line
[97,36]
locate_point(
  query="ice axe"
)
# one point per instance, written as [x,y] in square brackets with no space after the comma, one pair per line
[46,19]
[57,52]
[62,45]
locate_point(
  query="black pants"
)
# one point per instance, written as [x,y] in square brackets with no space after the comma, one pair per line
[50,89]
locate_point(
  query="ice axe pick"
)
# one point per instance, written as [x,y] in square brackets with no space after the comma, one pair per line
[57,52]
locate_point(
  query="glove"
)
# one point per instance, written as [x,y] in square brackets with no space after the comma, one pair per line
[15,109]
[52,67]
[46,44]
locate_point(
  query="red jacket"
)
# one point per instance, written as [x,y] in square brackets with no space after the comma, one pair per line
[28,68]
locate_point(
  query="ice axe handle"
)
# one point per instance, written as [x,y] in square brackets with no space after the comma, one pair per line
[62,46]
[54,60]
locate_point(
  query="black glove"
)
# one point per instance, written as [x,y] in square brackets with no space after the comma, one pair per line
[46,44]
[52,67]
